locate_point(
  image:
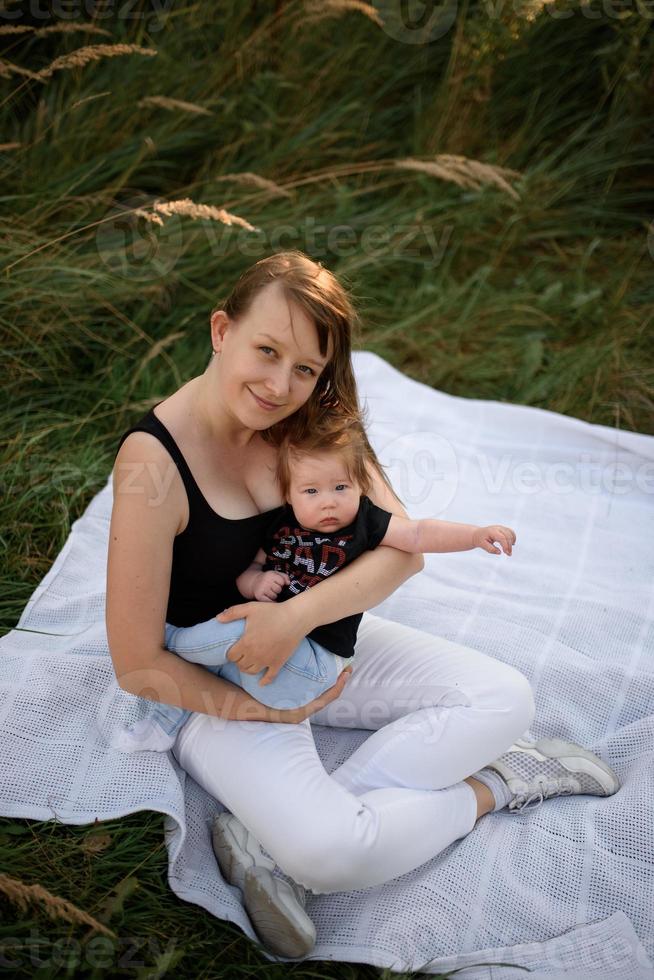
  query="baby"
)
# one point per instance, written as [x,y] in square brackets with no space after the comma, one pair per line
[327,522]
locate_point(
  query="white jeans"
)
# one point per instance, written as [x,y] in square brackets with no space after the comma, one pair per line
[438,711]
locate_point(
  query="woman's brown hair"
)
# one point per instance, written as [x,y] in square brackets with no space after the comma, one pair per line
[317,291]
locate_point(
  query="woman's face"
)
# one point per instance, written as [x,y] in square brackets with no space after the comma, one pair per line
[269,362]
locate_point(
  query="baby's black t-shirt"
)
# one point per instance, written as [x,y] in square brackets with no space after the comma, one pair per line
[308,557]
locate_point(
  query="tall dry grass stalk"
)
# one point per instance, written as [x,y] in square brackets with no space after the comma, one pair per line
[55,907]
[190,209]
[17,29]
[93,52]
[319,9]
[163,102]
[471,174]
[247,177]
[9,146]
[183,207]
[89,98]
[8,68]
[64,28]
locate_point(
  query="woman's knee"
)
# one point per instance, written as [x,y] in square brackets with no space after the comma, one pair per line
[328,874]
[518,697]
[325,863]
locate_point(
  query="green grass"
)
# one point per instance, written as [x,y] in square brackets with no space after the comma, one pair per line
[544,300]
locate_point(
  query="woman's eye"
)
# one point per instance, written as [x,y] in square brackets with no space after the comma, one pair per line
[303,368]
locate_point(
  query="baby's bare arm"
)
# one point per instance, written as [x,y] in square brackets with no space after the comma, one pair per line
[428,535]
[431,536]
[246,581]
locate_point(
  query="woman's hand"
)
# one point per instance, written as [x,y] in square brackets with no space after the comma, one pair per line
[294,716]
[484,537]
[272,632]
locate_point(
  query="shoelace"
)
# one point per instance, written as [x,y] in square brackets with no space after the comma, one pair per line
[548,787]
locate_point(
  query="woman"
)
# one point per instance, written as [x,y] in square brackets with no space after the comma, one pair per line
[192,485]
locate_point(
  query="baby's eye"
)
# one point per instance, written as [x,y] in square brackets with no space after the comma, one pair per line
[341,486]
[310,490]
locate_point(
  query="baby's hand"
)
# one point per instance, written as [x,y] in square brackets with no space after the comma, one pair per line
[268,585]
[484,537]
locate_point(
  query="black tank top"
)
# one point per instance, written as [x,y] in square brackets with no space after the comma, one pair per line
[211,551]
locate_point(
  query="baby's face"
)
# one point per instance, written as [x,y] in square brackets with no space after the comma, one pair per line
[322,495]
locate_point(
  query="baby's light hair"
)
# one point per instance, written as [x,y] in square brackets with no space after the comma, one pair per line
[347,442]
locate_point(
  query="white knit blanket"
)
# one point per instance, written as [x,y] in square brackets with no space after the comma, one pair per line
[566,889]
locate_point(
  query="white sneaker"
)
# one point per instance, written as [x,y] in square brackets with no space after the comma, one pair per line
[275,906]
[536,771]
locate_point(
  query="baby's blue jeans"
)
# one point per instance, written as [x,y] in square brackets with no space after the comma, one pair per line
[309,671]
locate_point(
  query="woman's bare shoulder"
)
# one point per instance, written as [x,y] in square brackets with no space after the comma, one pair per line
[146,477]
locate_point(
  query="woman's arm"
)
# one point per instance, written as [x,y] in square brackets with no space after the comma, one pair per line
[364,583]
[171,680]
[143,528]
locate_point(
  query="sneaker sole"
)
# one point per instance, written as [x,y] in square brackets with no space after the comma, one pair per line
[575,758]
[279,921]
